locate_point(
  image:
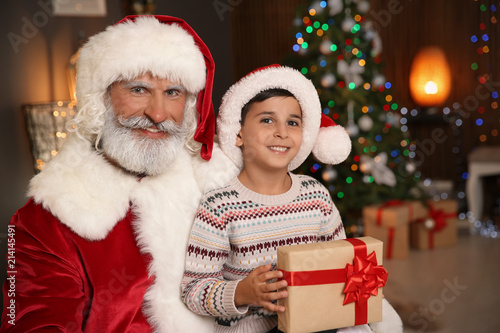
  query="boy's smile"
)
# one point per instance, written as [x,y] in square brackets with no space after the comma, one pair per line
[279,149]
[271,134]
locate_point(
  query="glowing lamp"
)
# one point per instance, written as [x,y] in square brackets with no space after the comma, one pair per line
[430,77]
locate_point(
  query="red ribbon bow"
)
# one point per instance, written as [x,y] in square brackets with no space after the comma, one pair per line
[363,279]
[439,217]
[440,222]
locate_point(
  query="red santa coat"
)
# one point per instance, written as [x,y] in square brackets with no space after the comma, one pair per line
[99,251]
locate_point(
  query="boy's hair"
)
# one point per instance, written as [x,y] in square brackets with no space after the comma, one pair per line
[261,97]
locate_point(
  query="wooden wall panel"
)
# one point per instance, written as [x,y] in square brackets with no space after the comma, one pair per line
[261,35]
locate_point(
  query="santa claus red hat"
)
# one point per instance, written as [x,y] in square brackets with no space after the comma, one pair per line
[165,46]
[328,141]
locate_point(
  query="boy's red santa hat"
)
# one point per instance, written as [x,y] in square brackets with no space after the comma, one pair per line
[328,141]
[164,46]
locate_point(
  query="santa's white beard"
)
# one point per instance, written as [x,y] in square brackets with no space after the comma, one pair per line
[137,153]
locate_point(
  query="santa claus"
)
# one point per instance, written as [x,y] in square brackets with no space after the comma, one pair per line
[100,246]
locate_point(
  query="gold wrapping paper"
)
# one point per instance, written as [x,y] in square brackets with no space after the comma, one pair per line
[320,307]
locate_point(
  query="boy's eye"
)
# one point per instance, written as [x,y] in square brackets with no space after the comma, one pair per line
[266,120]
[293,123]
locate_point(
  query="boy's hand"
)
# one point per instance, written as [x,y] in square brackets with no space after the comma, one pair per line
[255,290]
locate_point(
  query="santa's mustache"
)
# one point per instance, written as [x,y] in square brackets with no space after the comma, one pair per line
[168,126]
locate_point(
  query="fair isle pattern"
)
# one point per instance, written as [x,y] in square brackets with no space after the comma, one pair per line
[237,230]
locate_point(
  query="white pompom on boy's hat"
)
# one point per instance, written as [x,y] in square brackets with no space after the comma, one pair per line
[328,141]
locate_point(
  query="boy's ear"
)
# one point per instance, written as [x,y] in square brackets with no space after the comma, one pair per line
[239,140]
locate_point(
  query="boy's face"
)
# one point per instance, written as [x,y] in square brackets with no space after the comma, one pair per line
[271,135]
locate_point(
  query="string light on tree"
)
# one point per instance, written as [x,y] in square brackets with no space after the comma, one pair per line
[342,58]
[327,47]
[484,45]
[484,42]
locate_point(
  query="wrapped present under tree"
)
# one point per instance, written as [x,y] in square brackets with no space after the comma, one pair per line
[438,228]
[389,222]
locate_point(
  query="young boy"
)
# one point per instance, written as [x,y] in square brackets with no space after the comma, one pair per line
[268,124]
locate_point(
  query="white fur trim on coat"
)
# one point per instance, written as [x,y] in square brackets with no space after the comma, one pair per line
[215,173]
[165,207]
[83,190]
[90,196]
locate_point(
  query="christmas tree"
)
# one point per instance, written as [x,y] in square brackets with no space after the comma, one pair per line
[338,48]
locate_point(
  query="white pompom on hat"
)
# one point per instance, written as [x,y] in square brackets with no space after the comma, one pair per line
[328,141]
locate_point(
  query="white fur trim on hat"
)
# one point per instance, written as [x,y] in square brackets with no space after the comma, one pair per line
[133,48]
[228,120]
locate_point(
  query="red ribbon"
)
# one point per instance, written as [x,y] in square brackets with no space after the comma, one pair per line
[362,279]
[390,238]
[393,203]
[439,217]
[390,242]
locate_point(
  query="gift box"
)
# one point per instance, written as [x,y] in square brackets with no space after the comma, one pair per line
[438,228]
[396,239]
[331,284]
[389,222]
[394,213]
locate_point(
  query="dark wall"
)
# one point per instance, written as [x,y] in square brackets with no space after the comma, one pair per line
[34,53]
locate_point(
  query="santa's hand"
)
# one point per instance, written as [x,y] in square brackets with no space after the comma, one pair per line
[255,290]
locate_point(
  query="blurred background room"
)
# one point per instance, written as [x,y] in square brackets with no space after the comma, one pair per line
[415,83]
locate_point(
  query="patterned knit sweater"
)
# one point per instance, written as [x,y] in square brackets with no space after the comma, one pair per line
[236,230]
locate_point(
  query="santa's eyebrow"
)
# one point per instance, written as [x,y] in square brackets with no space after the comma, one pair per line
[176,87]
[131,84]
